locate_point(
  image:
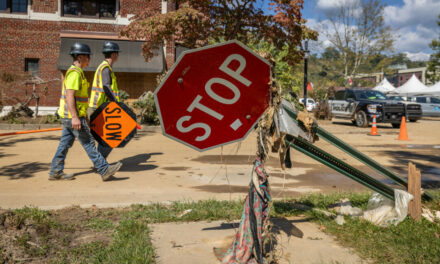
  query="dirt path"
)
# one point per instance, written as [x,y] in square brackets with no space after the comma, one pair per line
[159,169]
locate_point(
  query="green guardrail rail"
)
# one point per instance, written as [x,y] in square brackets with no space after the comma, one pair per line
[339,166]
[322,133]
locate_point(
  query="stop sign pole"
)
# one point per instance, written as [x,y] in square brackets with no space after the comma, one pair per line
[213,95]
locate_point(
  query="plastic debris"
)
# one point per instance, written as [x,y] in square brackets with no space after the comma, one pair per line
[344,208]
[340,220]
[384,212]
[184,213]
[326,213]
[427,214]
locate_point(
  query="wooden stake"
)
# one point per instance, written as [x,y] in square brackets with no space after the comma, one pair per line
[414,188]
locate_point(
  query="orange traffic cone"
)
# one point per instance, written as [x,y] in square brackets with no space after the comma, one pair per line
[403,135]
[374,128]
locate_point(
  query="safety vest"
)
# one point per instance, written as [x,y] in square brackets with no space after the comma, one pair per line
[98,96]
[81,96]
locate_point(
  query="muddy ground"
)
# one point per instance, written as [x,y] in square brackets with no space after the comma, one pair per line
[31,236]
[158,169]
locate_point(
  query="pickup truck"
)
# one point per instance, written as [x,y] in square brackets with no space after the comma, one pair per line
[360,106]
[414,111]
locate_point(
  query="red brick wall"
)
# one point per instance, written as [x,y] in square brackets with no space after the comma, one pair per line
[404,77]
[45,6]
[135,6]
[41,40]
[23,38]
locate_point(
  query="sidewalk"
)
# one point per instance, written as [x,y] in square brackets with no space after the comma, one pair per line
[298,241]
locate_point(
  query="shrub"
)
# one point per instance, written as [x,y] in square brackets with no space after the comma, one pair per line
[50,119]
[147,109]
[123,95]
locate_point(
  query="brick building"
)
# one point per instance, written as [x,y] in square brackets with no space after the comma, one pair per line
[397,79]
[371,78]
[406,74]
[36,36]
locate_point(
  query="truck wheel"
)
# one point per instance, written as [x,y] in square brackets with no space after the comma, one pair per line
[361,119]
[396,125]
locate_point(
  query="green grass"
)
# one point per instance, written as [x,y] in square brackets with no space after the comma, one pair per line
[208,210]
[35,215]
[131,243]
[99,224]
[408,242]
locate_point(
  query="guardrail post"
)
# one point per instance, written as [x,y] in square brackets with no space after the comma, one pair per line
[414,188]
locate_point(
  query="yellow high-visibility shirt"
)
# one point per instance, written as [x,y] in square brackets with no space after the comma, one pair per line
[75,80]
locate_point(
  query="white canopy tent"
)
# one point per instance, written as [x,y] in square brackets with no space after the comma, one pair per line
[412,87]
[384,86]
[432,90]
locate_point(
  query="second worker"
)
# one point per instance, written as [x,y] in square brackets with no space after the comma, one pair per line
[105,87]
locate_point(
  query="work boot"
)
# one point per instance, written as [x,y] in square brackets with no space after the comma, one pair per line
[61,176]
[111,170]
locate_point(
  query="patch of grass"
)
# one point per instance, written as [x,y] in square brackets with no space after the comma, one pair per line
[35,214]
[301,204]
[99,224]
[131,244]
[434,204]
[207,210]
[22,240]
[408,242]
[82,254]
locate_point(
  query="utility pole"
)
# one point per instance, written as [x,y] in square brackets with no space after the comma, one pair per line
[306,58]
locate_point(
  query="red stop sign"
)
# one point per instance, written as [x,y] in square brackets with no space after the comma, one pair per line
[213,95]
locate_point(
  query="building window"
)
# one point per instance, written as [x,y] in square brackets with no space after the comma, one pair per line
[13,6]
[31,66]
[89,8]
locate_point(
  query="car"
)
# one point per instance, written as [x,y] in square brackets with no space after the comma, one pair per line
[310,103]
[361,105]
[430,105]
[413,111]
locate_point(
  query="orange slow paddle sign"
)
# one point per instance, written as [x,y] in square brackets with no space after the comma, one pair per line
[113,124]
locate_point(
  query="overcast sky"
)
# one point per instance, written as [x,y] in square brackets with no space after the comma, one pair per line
[413,21]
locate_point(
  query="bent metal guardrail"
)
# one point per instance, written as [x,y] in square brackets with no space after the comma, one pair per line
[334,163]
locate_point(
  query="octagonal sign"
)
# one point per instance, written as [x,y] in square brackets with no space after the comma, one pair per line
[213,95]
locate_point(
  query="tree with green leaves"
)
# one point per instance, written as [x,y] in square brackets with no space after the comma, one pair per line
[288,76]
[197,23]
[356,30]
[433,69]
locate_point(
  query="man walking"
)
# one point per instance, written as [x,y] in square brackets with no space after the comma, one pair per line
[73,113]
[105,87]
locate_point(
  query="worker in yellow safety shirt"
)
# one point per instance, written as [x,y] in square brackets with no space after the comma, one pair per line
[73,113]
[105,87]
